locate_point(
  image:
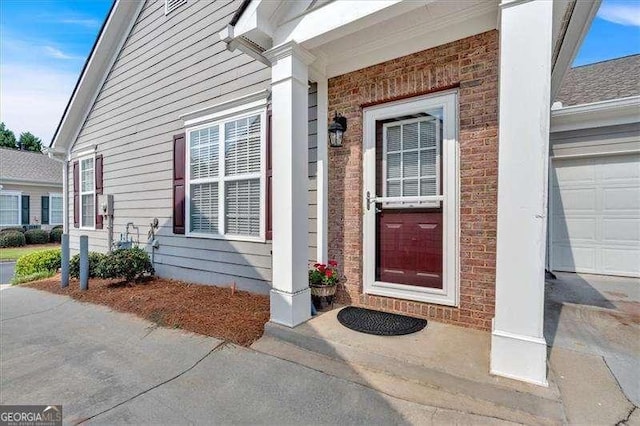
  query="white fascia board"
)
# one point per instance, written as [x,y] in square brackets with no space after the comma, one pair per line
[116,30]
[579,23]
[597,114]
[338,19]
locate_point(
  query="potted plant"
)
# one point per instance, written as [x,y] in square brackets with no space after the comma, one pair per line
[323,280]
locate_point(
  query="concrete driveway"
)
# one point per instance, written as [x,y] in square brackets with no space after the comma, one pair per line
[598,315]
[108,367]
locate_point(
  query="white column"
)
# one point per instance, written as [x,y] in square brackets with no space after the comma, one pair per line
[290,296]
[518,348]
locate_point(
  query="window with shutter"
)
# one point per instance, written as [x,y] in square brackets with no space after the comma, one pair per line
[226,174]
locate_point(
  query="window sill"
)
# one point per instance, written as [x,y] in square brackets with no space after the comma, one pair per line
[226,237]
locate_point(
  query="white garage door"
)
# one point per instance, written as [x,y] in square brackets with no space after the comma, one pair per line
[595,215]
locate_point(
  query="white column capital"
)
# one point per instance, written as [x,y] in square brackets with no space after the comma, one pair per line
[290,48]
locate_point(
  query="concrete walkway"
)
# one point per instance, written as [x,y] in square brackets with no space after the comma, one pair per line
[112,368]
[6,271]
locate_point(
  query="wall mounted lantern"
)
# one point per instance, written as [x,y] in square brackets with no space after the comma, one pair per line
[337,129]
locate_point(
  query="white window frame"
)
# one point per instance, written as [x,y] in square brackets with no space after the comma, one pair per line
[450,293]
[222,178]
[81,192]
[53,195]
[19,195]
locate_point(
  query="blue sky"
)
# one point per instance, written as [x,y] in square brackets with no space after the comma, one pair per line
[44,43]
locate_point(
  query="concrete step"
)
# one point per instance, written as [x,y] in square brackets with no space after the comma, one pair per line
[411,381]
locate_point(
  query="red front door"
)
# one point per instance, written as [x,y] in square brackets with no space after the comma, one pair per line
[410,247]
[409,234]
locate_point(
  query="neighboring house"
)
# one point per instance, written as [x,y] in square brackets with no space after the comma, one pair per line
[594,205]
[212,117]
[30,189]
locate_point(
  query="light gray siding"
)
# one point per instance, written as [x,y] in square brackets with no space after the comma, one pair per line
[600,140]
[170,65]
[313,150]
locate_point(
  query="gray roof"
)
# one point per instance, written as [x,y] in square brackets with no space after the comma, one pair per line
[29,166]
[613,79]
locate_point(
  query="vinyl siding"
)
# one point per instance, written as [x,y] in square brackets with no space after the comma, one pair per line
[170,65]
[313,149]
[601,140]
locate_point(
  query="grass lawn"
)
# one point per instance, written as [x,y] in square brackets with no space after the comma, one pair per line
[13,253]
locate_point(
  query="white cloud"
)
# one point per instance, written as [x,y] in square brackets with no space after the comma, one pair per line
[33,99]
[621,12]
[58,54]
[87,23]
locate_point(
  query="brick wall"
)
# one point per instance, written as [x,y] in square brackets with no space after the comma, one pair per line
[471,63]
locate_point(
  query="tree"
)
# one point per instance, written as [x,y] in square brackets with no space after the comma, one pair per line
[29,142]
[7,138]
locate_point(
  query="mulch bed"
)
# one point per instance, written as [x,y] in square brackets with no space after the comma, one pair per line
[209,310]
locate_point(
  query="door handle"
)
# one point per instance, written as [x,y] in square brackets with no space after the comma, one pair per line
[371,200]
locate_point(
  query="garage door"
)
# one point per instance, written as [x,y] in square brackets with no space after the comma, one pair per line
[595,215]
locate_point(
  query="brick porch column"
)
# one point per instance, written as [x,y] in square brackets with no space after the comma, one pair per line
[290,295]
[518,348]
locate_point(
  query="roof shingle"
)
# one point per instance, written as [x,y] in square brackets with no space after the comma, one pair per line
[29,166]
[602,81]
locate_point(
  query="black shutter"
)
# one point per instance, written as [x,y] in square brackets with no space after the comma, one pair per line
[25,209]
[179,184]
[44,211]
[269,227]
[99,189]
[76,194]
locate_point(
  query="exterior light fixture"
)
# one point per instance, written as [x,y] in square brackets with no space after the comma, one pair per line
[337,129]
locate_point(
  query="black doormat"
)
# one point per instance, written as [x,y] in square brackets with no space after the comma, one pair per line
[379,323]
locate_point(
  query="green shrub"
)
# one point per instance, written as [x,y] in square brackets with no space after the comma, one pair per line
[40,261]
[12,239]
[55,236]
[94,260]
[37,236]
[33,277]
[130,264]
[15,229]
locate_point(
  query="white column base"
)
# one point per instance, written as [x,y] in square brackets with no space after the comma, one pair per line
[519,357]
[290,309]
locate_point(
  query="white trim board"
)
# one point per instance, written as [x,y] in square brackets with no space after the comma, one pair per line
[449,295]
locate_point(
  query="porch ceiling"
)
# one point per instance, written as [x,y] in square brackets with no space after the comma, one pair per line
[348,35]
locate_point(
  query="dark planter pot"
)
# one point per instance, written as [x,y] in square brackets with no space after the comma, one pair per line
[322,293]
